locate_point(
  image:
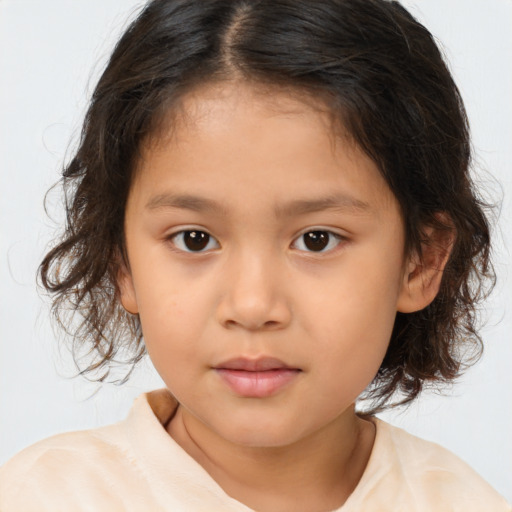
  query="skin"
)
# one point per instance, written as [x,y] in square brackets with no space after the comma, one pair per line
[256,290]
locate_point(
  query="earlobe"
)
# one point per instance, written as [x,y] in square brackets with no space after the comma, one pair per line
[423,273]
[126,289]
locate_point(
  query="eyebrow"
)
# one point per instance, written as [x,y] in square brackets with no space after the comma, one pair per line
[185,202]
[337,202]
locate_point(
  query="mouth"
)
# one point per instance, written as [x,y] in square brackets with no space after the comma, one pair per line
[256,378]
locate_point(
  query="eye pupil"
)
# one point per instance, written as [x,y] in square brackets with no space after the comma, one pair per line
[316,240]
[196,240]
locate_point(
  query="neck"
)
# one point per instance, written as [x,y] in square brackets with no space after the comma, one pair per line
[318,472]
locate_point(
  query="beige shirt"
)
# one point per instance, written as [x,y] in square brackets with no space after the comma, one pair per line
[135,466]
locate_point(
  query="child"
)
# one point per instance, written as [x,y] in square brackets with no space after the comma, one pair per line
[272,198]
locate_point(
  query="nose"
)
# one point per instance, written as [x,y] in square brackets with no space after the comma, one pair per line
[254,297]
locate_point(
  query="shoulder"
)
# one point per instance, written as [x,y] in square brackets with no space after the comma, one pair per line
[432,476]
[77,448]
[132,466]
[114,468]
[70,464]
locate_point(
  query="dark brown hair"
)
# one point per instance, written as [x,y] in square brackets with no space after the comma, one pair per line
[384,78]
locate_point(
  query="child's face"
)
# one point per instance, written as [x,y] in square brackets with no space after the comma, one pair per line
[293,250]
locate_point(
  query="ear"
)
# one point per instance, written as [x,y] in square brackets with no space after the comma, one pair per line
[423,272]
[126,288]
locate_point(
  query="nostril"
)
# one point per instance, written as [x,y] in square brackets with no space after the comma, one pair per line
[253,308]
[268,325]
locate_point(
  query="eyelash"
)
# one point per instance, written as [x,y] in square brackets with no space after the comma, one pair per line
[331,237]
[317,233]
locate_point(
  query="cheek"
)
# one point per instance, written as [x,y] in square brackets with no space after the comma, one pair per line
[357,299]
[168,292]
[174,319]
[352,320]
[349,355]
[173,312]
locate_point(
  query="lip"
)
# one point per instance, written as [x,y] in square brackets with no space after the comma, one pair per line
[256,378]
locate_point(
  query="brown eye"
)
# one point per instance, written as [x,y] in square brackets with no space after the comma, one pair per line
[194,241]
[317,241]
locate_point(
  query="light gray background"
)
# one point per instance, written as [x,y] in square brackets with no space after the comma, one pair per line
[50,55]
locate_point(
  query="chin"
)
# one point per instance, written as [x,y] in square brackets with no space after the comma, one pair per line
[261,433]
[258,439]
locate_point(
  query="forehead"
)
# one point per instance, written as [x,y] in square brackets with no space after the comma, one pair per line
[264,99]
[208,108]
[261,135]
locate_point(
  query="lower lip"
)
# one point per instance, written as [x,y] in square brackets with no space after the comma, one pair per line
[257,384]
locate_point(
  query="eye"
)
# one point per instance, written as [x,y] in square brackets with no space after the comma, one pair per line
[194,240]
[317,241]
